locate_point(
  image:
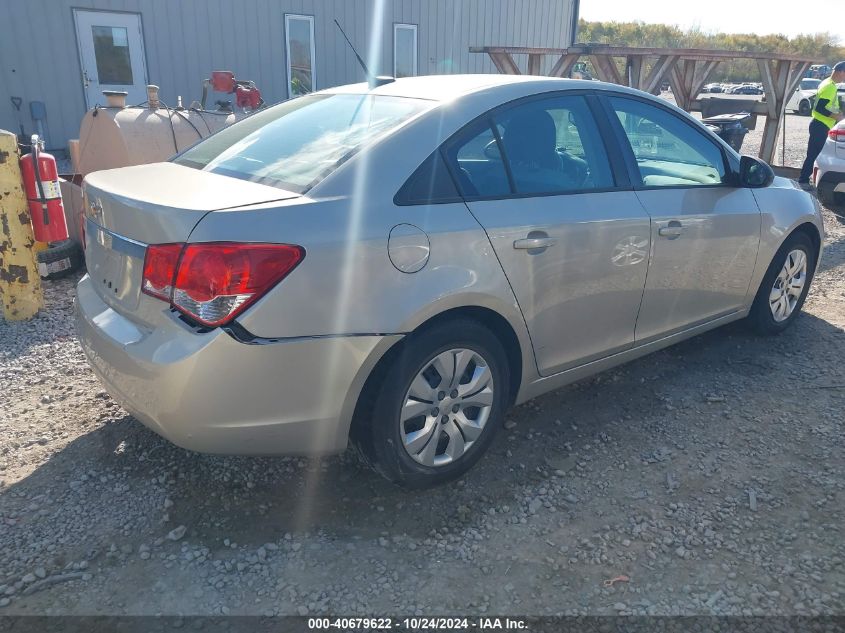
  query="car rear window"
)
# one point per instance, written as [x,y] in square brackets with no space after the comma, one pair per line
[296,144]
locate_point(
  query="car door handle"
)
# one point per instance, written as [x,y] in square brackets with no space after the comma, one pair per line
[530,243]
[672,230]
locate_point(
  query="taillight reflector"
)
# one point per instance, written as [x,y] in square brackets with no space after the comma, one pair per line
[213,282]
[160,269]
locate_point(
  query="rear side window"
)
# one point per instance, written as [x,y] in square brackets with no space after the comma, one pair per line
[554,146]
[431,183]
[297,143]
[477,163]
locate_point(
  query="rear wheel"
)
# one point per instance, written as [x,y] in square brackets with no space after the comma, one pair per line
[438,407]
[804,108]
[785,286]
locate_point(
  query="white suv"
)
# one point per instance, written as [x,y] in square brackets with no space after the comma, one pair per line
[829,171]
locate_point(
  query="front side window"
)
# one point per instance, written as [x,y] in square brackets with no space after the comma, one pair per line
[297,143]
[299,42]
[404,50]
[554,146]
[669,151]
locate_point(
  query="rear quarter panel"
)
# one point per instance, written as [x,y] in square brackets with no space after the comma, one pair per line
[347,285]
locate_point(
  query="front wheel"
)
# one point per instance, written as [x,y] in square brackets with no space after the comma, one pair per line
[785,286]
[439,405]
[804,108]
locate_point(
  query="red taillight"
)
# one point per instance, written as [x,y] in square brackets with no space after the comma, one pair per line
[213,282]
[160,269]
[837,134]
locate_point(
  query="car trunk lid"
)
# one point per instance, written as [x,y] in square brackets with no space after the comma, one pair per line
[128,208]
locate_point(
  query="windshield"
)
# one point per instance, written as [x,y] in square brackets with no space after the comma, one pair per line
[296,144]
[809,84]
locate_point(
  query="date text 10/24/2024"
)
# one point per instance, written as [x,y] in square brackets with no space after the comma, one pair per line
[418,624]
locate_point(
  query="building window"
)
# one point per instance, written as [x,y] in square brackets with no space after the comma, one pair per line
[299,45]
[404,50]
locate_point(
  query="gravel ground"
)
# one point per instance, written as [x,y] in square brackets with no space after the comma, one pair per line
[709,474]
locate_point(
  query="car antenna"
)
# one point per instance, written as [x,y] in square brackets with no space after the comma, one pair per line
[372,80]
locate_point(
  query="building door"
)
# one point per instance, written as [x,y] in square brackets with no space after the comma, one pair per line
[111,53]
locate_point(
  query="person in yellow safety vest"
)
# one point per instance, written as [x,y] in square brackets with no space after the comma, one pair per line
[826,113]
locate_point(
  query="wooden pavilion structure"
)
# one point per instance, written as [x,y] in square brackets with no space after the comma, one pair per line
[686,70]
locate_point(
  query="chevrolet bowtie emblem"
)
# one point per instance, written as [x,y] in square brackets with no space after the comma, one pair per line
[97,210]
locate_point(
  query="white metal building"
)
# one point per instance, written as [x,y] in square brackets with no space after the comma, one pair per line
[64,53]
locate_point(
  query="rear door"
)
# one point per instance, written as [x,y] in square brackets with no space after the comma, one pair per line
[705,228]
[571,236]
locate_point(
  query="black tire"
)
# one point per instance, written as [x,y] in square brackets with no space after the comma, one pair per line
[761,319]
[377,436]
[804,108]
[59,260]
[833,200]
[825,193]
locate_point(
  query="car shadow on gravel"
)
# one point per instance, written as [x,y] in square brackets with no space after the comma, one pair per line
[124,480]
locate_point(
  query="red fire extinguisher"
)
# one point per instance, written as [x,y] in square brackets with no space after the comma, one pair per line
[43,194]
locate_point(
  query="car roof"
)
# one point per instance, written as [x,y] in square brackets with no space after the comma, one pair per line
[448,87]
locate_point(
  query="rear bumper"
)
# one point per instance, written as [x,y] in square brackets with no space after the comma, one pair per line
[830,174]
[210,393]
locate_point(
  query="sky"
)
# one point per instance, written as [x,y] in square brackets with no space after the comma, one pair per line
[727,16]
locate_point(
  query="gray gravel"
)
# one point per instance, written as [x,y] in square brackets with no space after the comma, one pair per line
[710,475]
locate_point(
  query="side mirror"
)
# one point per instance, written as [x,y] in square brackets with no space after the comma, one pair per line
[754,172]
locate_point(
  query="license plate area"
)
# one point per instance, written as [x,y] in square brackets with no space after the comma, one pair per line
[115,264]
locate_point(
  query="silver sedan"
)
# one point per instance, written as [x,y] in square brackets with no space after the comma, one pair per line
[397,265]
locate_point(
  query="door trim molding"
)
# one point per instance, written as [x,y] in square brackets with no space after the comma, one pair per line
[555,381]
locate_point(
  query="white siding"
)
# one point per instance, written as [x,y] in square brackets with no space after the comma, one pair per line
[186,39]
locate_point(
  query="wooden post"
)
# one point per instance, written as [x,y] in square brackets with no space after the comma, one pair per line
[563,66]
[663,66]
[535,61]
[605,67]
[505,63]
[779,82]
[634,69]
[20,285]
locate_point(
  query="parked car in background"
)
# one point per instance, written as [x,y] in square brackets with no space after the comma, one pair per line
[747,89]
[398,265]
[709,88]
[804,97]
[819,71]
[829,171]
